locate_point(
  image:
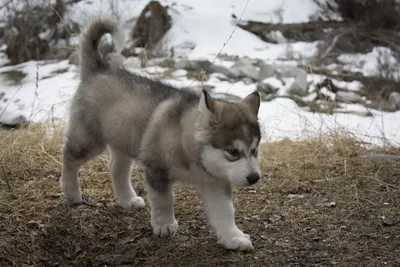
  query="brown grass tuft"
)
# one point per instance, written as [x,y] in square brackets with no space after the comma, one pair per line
[318,204]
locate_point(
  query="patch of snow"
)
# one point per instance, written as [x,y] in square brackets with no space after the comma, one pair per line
[203,30]
[274,82]
[180,73]
[277,36]
[380,61]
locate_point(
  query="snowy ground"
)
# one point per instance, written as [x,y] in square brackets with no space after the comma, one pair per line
[200,30]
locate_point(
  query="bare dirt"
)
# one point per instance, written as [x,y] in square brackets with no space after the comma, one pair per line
[318,204]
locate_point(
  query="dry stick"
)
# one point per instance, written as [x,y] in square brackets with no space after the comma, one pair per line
[49,155]
[61,19]
[382,182]
[36,84]
[337,37]
[230,37]
[6,177]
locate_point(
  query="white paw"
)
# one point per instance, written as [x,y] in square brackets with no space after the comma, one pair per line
[73,196]
[236,241]
[168,229]
[135,203]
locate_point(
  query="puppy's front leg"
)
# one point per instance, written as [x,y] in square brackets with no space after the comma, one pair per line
[217,201]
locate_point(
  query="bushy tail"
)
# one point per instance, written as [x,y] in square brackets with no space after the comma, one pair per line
[91,59]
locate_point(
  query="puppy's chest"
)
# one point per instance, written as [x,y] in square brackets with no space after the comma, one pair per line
[193,175]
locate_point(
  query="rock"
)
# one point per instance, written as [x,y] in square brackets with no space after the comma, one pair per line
[247,80]
[245,68]
[389,220]
[394,100]
[74,58]
[221,69]
[266,88]
[385,92]
[349,97]
[151,25]
[289,71]
[192,64]
[226,97]
[187,65]
[274,218]
[300,85]
[266,71]
[17,122]
[269,86]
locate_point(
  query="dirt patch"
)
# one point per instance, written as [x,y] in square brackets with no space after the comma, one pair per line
[319,203]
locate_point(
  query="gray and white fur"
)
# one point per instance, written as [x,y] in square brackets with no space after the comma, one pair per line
[176,135]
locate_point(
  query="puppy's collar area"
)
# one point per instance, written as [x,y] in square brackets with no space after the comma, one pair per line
[200,164]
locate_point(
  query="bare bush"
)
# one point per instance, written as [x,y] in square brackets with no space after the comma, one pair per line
[374,13]
[31,28]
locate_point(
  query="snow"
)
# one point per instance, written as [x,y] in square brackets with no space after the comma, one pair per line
[205,30]
[380,61]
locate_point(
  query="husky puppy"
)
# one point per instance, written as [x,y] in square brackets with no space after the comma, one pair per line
[176,135]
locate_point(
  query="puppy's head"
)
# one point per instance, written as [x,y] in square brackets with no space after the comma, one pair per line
[228,136]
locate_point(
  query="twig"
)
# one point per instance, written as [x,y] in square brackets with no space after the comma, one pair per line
[225,43]
[382,182]
[36,85]
[50,156]
[329,49]
[61,19]
[354,211]
[6,178]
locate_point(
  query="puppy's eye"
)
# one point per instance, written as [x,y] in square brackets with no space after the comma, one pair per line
[233,152]
[254,152]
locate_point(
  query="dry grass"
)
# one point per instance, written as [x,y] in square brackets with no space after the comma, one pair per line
[318,204]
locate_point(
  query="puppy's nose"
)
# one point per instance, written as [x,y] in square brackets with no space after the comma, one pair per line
[253,178]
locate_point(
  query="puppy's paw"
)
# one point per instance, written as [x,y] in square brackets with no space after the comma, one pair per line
[236,241]
[135,203]
[75,199]
[168,229]
[73,196]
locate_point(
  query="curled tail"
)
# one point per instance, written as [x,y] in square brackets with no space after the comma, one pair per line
[91,60]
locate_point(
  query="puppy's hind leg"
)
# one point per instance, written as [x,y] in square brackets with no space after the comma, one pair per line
[121,167]
[76,152]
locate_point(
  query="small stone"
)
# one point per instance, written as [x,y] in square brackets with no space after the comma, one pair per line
[295,196]
[245,68]
[349,97]
[274,218]
[283,244]
[389,220]
[247,80]
[266,71]
[266,88]
[300,85]
[332,204]
[394,100]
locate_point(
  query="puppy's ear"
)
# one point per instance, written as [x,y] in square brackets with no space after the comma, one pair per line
[207,108]
[207,103]
[252,101]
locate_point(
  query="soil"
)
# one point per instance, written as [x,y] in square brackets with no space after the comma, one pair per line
[316,205]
